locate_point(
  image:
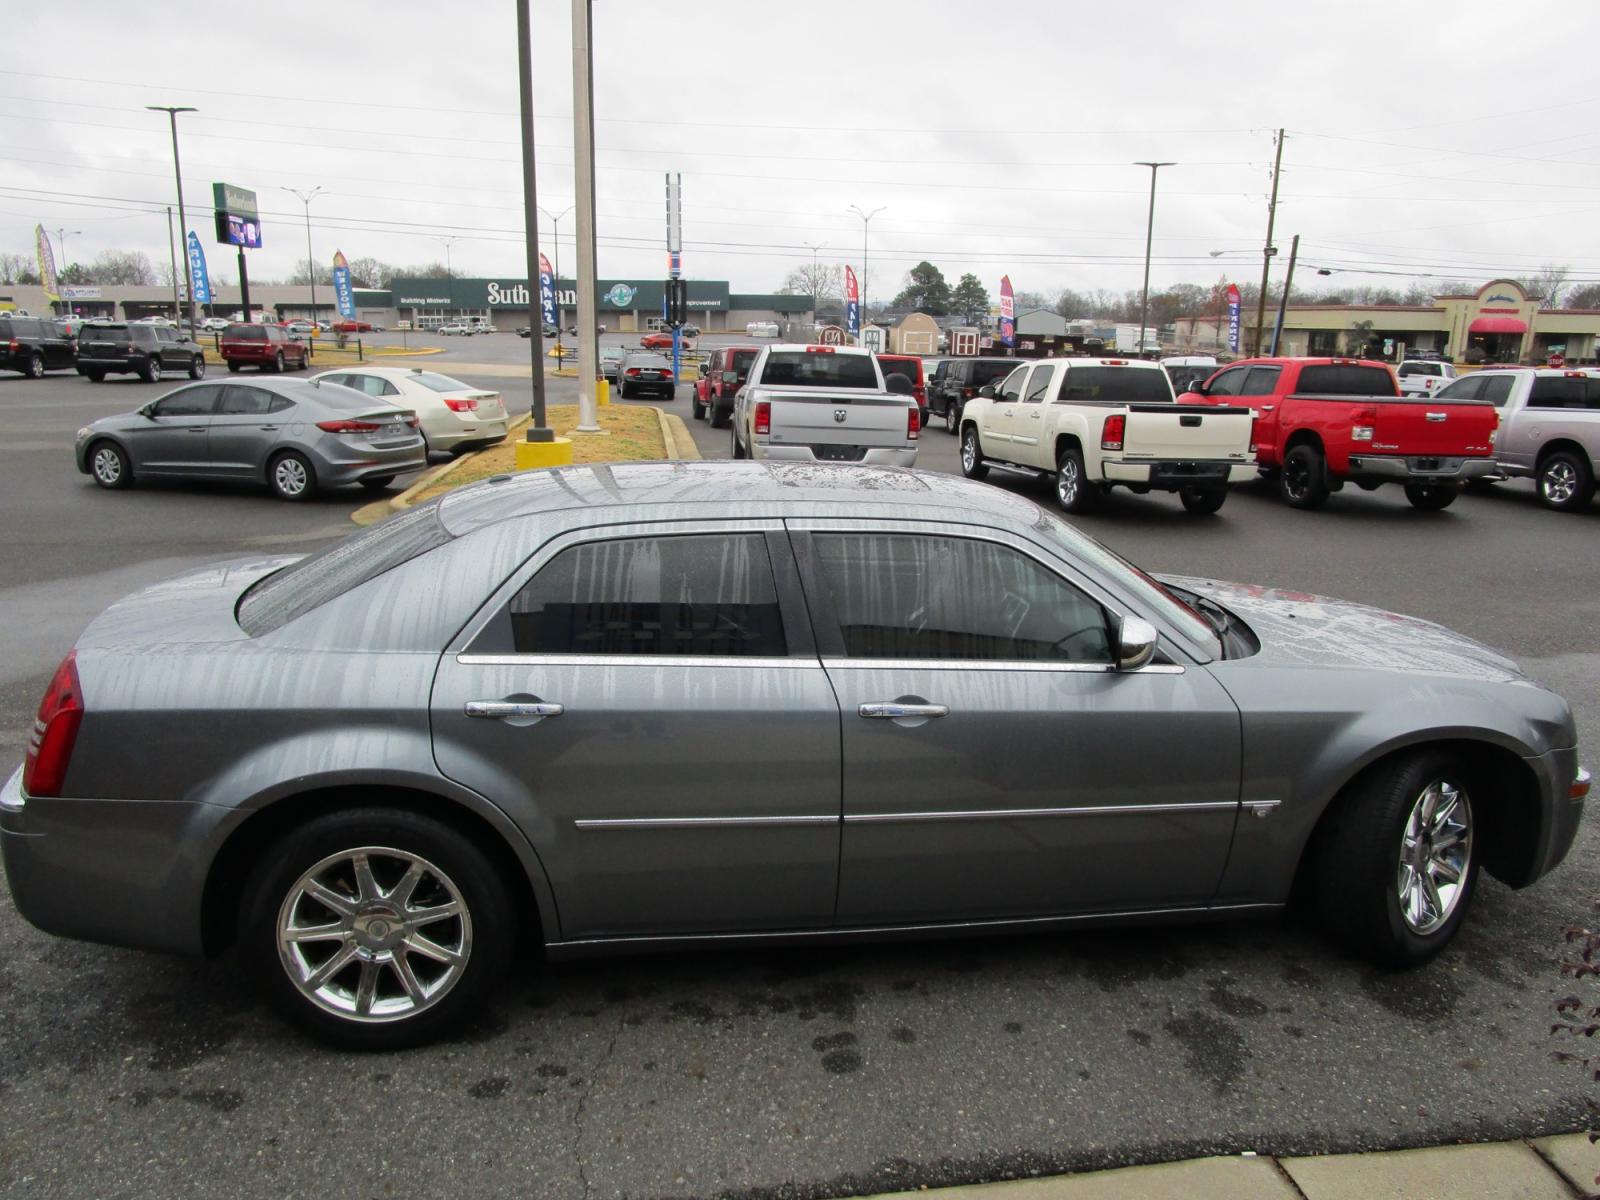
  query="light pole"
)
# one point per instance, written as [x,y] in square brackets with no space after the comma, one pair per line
[448,242]
[172,111]
[815,269]
[306,198]
[1149,237]
[866,225]
[555,284]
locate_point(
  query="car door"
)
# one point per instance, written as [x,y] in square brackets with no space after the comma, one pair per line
[996,766]
[1000,413]
[1027,424]
[682,774]
[173,438]
[243,431]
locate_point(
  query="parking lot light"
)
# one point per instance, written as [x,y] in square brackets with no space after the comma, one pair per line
[172,111]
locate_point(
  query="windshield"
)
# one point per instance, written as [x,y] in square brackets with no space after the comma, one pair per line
[809,368]
[1121,385]
[438,383]
[742,359]
[1153,594]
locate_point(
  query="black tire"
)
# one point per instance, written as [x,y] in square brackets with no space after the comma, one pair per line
[35,368]
[622,390]
[277,364]
[197,367]
[1356,861]
[150,370]
[377,483]
[1303,482]
[720,418]
[455,869]
[283,476]
[1565,481]
[972,464]
[698,409]
[1202,501]
[234,367]
[738,450]
[95,376]
[1431,497]
[1074,491]
[109,465]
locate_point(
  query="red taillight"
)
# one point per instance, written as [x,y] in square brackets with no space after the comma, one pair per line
[1111,433]
[412,421]
[455,404]
[631,371]
[913,423]
[55,729]
[921,393]
[968,393]
[14,347]
[763,416]
[349,426]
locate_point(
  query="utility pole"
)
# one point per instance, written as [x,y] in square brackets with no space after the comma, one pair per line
[1268,250]
[172,112]
[583,149]
[866,225]
[176,310]
[306,198]
[1149,237]
[538,426]
[1283,301]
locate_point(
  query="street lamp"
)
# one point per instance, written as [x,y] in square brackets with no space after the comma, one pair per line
[306,198]
[172,111]
[555,284]
[866,225]
[448,242]
[1149,236]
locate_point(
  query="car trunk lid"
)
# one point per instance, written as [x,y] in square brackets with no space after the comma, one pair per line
[830,417]
[195,608]
[1429,427]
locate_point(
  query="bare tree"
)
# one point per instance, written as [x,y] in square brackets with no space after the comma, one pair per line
[370,272]
[13,266]
[123,268]
[1547,283]
[303,270]
[823,281]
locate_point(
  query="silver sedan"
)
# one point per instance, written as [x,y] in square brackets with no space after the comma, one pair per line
[751,703]
[294,435]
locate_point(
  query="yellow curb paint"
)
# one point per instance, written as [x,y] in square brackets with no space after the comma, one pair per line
[543,454]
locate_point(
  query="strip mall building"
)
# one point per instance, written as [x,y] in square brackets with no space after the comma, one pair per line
[1500,322]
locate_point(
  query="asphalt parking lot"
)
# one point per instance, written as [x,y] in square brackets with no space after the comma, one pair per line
[796,1073]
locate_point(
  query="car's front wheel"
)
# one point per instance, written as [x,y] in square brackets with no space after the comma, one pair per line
[972,464]
[377,928]
[292,477]
[234,367]
[96,376]
[1565,481]
[109,465]
[377,483]
[1395,862]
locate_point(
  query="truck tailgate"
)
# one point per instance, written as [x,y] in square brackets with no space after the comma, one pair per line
[835,419]
[1427,426]
[1187,431]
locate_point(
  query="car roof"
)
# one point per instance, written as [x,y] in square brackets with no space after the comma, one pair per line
[382,372]
[711,487]
[803,347]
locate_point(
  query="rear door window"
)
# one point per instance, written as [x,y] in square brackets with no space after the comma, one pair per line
[243,401]
[1496,389]
[1557,391]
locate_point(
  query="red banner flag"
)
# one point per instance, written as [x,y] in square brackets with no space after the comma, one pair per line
[1008,312]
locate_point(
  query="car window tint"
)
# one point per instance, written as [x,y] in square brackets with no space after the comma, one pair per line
[1038,384]
[1342,379]
[1468,388]
[1229,383]
[295,590]
[695,594]
[1261,381]
[1591,388]
[1121,385]
[241,401]
[190,402]
[1496,389]
[819,368]
[907,595]
[1556,391]
[1011,388]
[981,373]
[280,403]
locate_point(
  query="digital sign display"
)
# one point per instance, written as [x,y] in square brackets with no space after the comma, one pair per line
[240,231]
[238,219]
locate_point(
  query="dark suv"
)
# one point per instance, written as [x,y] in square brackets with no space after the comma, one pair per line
[961,383]
[134,348]
[34,345]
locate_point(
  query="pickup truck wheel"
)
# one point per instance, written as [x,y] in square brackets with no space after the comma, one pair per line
[1394,864]
[1430,497]
[1201,500]
[1565,482]
[1303,482]
[1074,492]
[972,464]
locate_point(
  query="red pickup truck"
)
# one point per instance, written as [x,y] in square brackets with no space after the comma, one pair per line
[1323,422]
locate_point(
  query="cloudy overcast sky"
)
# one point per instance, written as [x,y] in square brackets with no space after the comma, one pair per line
[1426,141]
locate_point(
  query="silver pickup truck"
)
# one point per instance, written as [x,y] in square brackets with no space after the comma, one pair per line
[823,404]
[1549,427]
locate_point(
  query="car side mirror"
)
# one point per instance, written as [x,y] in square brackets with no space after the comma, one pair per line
[148,412]
[987,391]
[1136,643]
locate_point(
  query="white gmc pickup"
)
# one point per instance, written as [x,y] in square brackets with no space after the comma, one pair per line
[1099,423]
[823,404]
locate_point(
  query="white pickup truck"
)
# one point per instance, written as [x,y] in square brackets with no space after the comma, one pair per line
[1099,423]
[1424,376]
[823,404]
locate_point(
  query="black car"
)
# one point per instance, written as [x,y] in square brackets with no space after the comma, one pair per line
[134,348]
[34,345]
[645,372]
[961,382]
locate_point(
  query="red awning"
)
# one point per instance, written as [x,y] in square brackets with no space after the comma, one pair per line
[1498,325]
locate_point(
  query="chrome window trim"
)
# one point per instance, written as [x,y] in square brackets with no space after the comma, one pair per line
[602,823]
[995,664]
[636,660]
[1012,814]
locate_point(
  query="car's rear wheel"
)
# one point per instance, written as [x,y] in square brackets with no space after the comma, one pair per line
[277,363]
[1303,481]
[1074,492]
[720,417]
[35,367]
[234,367]
[1202,500]
[1394,863]
[291,477]
[1565,481]
[1431,497]
[109,465]
[95,376]
[377,928]
[150,370]
[377,483]
[197,367]
[972,464]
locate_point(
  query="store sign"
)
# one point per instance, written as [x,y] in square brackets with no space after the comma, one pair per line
[413,301]
[80,293]
[238,219]
[621,295]
[516,294]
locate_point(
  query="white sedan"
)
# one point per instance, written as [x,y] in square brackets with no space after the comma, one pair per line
[455,416]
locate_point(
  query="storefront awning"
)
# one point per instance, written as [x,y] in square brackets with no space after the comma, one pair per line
[1498,325]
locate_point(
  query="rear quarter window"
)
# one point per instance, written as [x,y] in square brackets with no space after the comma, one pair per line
[1345,379]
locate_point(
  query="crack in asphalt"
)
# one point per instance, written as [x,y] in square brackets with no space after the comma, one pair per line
[577,1113]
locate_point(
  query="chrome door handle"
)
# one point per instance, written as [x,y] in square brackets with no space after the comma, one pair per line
[893,711]
[1268,407]
[268,428]
[499,710]
[1437,416]
[196,428]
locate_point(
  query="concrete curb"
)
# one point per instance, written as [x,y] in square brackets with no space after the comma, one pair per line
[677,438]
[1552,1168]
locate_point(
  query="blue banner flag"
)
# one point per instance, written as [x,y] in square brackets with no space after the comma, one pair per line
[547,291]
[342,294]
[199,277]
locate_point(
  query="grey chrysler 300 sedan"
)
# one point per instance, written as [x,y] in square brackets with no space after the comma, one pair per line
[650,704]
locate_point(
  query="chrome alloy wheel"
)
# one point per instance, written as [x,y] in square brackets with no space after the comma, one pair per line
[1559,482]
[107,466]
[969,450]
[290,476]
[374,934]
[1069,482]
[1435,852]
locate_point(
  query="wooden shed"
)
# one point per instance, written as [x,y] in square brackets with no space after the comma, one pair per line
[916,333]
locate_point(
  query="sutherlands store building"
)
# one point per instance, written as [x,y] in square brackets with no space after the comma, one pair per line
[1500,322]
